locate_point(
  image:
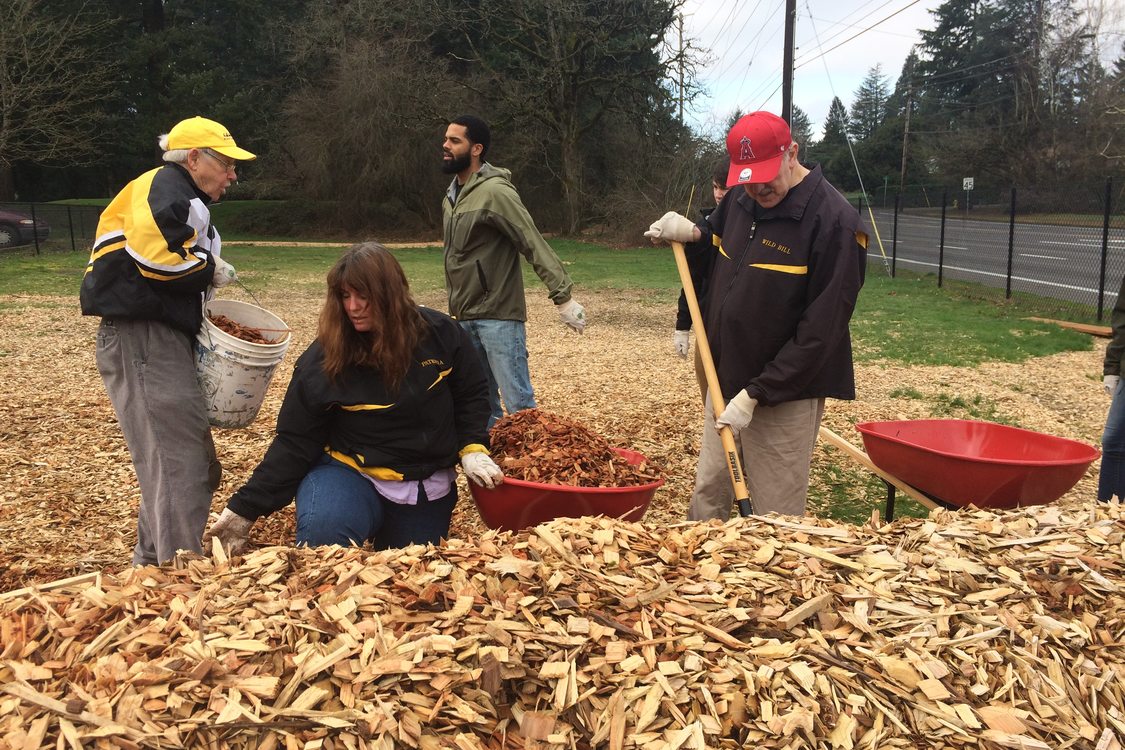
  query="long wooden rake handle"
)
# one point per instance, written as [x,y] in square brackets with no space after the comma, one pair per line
[738,481]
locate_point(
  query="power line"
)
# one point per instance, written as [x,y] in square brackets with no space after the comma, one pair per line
[859,33]
[847,26]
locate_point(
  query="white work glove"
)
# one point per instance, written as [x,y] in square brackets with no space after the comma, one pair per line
[681,342]
[481,469]
[232,530]
[224,274]
[1110,384]
[671,227]
[573,314]
[739,412]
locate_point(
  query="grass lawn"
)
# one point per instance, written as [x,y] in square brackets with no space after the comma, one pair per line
[905,320]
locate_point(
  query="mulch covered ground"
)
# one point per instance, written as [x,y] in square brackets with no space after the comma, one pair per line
[69,497]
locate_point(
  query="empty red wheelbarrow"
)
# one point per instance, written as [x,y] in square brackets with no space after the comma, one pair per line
[516,504]
[958,462]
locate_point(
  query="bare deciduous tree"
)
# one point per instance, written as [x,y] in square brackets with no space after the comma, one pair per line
[51,80]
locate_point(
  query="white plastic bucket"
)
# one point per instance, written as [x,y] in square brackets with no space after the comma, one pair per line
[234,373]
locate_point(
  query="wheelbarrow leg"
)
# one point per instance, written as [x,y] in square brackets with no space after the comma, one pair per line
[889,511]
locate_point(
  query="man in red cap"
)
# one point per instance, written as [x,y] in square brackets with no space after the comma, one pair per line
[791,255]
[155,259]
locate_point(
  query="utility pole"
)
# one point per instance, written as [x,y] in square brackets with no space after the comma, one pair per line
[906,129]
[787,64]
[681,66]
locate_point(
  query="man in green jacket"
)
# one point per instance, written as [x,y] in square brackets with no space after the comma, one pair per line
[486,229]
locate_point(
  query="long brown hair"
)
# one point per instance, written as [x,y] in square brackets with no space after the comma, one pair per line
[371,271]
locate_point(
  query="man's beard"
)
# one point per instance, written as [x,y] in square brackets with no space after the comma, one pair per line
[456,165]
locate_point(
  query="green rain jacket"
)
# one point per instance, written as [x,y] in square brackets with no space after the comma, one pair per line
[487,229]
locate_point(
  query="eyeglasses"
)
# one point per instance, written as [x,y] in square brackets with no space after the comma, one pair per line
[228,166]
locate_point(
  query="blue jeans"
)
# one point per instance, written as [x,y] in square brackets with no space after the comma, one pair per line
[1111,479]
[338,505]
[502,346]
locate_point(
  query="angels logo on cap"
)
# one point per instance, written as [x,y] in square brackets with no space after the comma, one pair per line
[747,153]
[761,161]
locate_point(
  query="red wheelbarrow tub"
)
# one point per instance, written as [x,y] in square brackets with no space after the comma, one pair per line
[963,461]
[517,504]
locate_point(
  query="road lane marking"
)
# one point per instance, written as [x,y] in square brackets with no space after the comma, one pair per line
[1004,276]
[1083,244]
[1044,257]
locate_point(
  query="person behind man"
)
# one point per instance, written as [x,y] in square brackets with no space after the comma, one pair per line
[155,259]
[790,260]
[486,229]
[1111,478]
[700,256]
[380,409]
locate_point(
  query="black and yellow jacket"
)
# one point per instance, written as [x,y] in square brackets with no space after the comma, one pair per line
[439,412]
[152,259]
[782,292]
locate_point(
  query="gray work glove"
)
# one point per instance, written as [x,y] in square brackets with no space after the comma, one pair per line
[573,314]
[739,412]
[681,342]
[481,469]
[224,274]
[232,530]
[1109,382]
[671,227]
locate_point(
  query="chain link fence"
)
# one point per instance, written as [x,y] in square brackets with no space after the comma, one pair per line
[47,227]
[1057,252]
[1054,252]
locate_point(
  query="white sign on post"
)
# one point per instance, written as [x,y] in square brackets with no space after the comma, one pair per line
[968,181]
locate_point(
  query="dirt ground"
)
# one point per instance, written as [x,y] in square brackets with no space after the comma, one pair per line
[69,497]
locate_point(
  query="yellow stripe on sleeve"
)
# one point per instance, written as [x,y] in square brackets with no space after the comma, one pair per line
[366,407]
[379,472]
[795,270]
[441,376]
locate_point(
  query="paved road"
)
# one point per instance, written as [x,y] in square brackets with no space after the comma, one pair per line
[1048,260]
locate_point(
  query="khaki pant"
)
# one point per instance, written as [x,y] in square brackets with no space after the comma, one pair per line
[149,373]
[700,375]
[775,449]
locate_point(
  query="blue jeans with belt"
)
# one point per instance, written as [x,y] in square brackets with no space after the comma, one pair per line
[338,505]
[1111,479]
[502,346]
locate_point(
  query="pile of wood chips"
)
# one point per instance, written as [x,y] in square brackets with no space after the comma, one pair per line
[538,446]
[236,329]
[965,630]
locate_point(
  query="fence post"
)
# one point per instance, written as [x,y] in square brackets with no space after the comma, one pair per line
[1011,243]
[34,227]
[941,242]
[894,238]
[70,226]
[1105,246]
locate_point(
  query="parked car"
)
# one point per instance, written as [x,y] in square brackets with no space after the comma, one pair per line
[19,229]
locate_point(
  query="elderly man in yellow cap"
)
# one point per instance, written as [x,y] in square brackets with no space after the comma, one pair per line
[154,262]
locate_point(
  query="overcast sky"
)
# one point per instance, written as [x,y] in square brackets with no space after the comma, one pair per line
[837,41]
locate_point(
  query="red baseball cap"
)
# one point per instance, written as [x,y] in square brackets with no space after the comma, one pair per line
[756,145]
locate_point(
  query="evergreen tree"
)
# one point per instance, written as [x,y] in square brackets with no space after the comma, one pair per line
[869,106]
[801,128]
[835,124]
[832,152]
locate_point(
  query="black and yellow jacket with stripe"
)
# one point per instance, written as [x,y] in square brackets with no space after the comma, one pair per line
[439,412]
[152,259]
[782,291]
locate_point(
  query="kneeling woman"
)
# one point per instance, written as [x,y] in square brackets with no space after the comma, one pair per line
[380,408]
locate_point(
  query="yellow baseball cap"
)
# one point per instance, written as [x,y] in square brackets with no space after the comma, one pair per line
[199,132]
